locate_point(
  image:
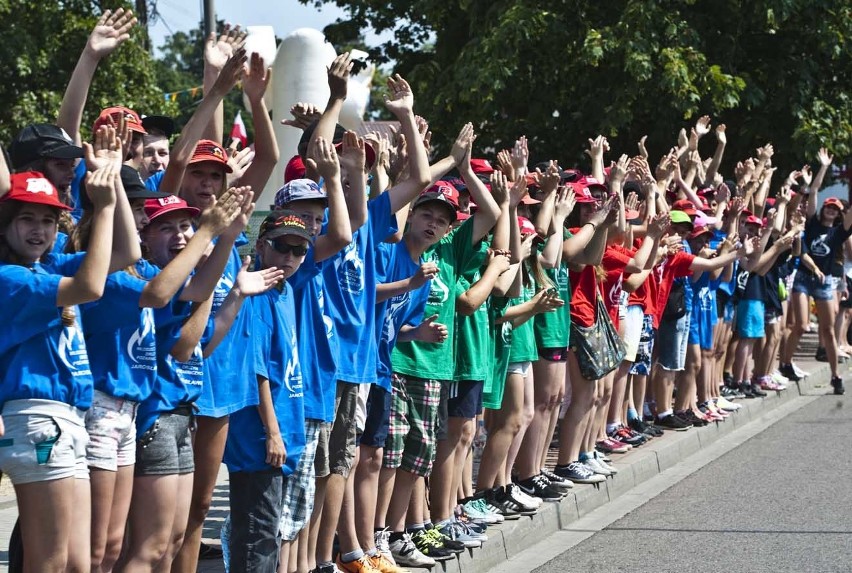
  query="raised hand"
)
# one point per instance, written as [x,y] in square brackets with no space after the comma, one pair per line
[643,152]
[659,225]
[423,130]
[222,213]
[518,191]
[232,72]
[322,156]
[256,79]
[504,162]
[400,101]
[498,260]
[239,161]
[720,134]
[807,175]
[520,154]
[631,202]
[105,151]
[217,51]
[462,144]
[303,115]
[606,215]
[597,147]
[251,283]
[246,209]
[723,193]
[824,157]
[431,331]
[500,187]
[765,152]
[338,76]
[381,144]
[619,169]
[702,126]
[682,138]
[566,200]
[353,155]
[112,30]
[549,180]
[100,185]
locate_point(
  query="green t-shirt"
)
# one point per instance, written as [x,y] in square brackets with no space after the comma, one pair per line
[472,340]
[454,255]
[500,336]
[523,337]
[551,328]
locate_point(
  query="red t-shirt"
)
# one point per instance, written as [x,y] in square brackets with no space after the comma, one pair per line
[615,259]
[584,293]
[646,293]
[666,272]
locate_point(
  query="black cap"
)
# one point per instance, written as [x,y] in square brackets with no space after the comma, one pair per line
[135,187]
[42,140]
[158,124]
[302,149]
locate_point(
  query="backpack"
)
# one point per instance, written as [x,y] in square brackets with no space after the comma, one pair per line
[676,305]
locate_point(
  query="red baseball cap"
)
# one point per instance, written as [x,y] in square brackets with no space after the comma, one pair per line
[295,169]
[158,207]
[686,206]
[207,150]
[752,220]
[481,166]
[33,187]
[441,192]
[591,183]
[462,216]
[112,115]
[698,231]
[833,202]
[526,226]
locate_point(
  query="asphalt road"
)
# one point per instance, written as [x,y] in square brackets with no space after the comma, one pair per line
[781,502]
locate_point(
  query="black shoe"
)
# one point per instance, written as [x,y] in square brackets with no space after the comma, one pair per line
[689,417]
[837,384]
[730,393]
[536,486]
[643,428]
[673,422]
[429,546]
[508,505]
[728,380]
[745,388]
[789,373]
[821,355]
[209,552]
[757,391]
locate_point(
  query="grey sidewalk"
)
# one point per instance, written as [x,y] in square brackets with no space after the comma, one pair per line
[509,539]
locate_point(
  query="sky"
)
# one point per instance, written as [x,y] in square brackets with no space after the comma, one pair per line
[283,15]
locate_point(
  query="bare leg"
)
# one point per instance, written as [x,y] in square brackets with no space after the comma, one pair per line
[576,420]
[504,424]
[527,415]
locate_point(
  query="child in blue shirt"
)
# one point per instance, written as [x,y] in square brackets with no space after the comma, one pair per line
[266,441]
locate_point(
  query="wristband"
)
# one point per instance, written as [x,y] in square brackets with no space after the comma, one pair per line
[595,227]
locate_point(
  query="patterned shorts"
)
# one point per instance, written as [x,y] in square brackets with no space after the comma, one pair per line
[413,424]
[111,424]
[300,486]
[642,365]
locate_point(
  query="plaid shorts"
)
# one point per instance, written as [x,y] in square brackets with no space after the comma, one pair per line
[300,486]
[411,438]
[642,365]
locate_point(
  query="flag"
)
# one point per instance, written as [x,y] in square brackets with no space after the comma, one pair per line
[238,130]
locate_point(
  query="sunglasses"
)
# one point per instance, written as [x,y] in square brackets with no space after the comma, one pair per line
[285,248]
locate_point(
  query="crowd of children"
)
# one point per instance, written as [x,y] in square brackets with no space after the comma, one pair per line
[396,308]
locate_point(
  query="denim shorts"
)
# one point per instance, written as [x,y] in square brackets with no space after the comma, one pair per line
[111,424]
[45,440]
[166,447]
[810,285]
[672,341]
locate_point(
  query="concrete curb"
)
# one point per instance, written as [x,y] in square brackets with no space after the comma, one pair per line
[636,467]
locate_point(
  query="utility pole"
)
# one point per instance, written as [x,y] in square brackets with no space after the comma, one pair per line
[142,16]
[209,18]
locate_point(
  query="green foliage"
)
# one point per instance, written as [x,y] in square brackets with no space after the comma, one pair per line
[561,71]
[43,42]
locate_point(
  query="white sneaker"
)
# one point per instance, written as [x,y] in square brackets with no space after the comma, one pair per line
[599,458]
[525,499]
[406,553]
[779,378]
[382,539]
[596,467]
[799,372]
[727,405]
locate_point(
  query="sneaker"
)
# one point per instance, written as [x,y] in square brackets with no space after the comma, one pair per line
[327,569]
[766,383]
[821,355]
[405,552]
[537,486]
[458,532]
[601,459]
[629,437]
[496,511]
[362,565]
[837,384]
[779,378]
[382,541]
[556,481]
[747,390]
[789,372]
[428,546]
[578,473]
[518,494]
[728,379]
[757,391]
[730,393]
[610,446]
[798,371]
[726,405]
[689,417]
[509,506]
[673,422]
[477,510]
[445,541]
[641,427]
[596,467]
[383,564]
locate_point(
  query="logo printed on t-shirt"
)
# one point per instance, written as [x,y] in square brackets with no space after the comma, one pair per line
[395,305]
[326,319]
[615,291]
[350,269]
[438,291]
[819,247]
[142,345]
[72,350]
[190,372]
[293,373]
[223,287]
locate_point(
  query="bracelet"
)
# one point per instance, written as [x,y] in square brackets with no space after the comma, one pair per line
[595,227]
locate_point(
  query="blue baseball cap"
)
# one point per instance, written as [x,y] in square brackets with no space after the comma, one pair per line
[299,190]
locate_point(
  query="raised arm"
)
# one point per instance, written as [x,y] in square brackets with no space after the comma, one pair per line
[721,142]
[597,147]
[488,210]
[401,104]
[192,330]
[265,146]
[88,282]
[469,301]
[112,30]
[323,159]
[217,53]
[551,256]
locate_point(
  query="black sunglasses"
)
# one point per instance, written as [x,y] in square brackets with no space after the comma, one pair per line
[284,248]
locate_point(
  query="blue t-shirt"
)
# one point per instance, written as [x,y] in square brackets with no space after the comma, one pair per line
[276,358]
[395,264]
[79,175]
[687,284]
[315,338]
[177,383]
[350,283]
[40,357]
[121,336]
[153,182]
[229,383]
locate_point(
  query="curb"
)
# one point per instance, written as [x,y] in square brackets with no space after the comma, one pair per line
[507,540]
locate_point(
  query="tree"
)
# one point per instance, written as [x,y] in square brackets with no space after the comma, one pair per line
[562,71]
[43,42]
